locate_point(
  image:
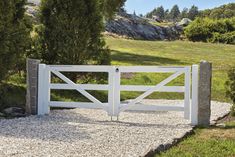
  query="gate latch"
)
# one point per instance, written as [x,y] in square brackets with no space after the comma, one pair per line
[117,70]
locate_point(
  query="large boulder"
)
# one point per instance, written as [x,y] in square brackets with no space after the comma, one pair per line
[184,22]
[139,28]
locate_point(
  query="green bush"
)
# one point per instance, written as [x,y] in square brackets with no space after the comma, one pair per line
[12,96]
[227,38]
[230,84]
[211,30]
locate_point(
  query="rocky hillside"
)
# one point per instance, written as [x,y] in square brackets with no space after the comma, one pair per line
[136,27]
[131,26]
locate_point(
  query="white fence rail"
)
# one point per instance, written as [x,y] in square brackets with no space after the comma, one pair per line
[114,88]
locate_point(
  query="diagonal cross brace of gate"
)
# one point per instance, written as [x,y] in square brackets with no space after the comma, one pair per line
[150,91]
[79,89]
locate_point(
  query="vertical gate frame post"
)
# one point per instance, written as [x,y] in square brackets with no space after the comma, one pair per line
[43,90]
[111,92]
[187,84]
[194,104]
[117,96]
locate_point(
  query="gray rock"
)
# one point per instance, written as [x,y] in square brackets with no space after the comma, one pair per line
[2,115]
[14,112]
[139,28]
[184,22]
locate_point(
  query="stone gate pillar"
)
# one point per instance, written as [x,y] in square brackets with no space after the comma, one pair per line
[32,86]
[204,93]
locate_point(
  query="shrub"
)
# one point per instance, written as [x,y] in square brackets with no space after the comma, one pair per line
[210,30]
[12,96]
[230,84]
[197,31]
[227,38]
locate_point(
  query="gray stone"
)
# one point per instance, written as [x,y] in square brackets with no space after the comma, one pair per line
[32,86]
[136,27]
[204,93]
[14,112]
[2,114]
[184,22]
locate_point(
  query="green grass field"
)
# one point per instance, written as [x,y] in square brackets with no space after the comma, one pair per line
[161,53]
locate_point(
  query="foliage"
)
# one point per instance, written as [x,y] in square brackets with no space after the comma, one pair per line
[224,11]
[230,84]
[110,7]
[184,13]
[175,12]
[14,36]
[71,32]
[159,12]
[193,12]
[210,30]
[12,96]
[227,38]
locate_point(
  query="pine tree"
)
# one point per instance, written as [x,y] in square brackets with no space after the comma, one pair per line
[160,12]
[167,14]
[72,32]
[110,7]
[14,35]
[184,13]
[193,12]
[175,12]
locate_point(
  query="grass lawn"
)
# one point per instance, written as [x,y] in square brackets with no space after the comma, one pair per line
[161,53]
[207,142]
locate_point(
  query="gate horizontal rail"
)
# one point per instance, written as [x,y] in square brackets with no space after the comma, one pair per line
[114,88]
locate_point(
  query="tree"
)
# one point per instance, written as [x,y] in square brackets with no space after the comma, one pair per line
[109,7]
[167,14]
[15,35]
[175,12]
[217,13]
[224,11]
[150,14]
[184,13]
[71,32]
[193,12]
[160,12]
[134,13]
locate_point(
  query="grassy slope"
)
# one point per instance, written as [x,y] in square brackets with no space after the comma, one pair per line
[210,142]
[133,52]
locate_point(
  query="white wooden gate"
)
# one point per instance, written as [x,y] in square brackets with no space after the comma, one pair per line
[114,105]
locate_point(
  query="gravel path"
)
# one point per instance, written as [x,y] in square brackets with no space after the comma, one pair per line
[80,132]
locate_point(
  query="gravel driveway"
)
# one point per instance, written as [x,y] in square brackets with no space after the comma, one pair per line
[81,132]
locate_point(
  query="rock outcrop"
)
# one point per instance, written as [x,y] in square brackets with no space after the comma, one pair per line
[130,26]
[184,22]
[136,27]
